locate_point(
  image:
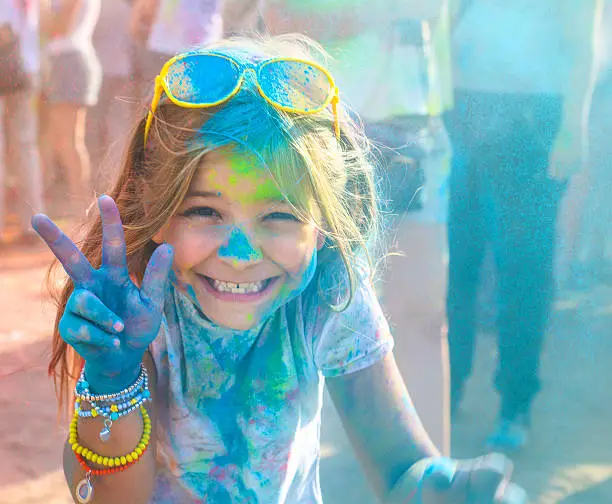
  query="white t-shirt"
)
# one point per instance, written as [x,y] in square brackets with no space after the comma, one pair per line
[511,46]
[26,25]
[240,411]
[185,24]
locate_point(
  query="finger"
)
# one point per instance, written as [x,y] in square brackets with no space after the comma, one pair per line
[513,494]
[113,238]
[68,254]
[86,305]
[155,281]
[444,483]
[489,478]
[77,332]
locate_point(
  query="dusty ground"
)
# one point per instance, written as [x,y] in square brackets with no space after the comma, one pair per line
[569,460]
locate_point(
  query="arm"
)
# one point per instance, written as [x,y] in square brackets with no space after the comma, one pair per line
[142,18]
[381,422]
[579,22]
[112,342]
[135,484]
[57,21]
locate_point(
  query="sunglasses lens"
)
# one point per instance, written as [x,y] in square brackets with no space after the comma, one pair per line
[202,79]
[294,84]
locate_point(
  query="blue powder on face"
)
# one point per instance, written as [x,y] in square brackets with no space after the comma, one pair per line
[296,285]
[239,247]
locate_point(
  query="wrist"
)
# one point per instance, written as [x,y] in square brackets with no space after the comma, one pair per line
[104,382]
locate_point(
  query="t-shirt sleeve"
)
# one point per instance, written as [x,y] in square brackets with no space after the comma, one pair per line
[351,340]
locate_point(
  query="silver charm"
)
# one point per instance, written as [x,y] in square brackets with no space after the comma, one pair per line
[84,490]
[105,432]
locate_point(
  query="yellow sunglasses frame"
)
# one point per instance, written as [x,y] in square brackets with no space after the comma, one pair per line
[161,86]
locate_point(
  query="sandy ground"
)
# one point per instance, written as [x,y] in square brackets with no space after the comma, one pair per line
[568,461]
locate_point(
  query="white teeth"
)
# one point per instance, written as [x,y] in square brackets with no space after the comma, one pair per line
[243,288]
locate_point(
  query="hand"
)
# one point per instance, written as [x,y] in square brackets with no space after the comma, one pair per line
[569,153]
[108,320]
[484,480]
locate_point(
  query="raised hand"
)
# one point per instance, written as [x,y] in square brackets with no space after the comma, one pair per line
[108,320]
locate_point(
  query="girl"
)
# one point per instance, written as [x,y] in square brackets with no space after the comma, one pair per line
[225,281]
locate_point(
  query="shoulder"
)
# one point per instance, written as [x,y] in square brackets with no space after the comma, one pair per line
[346,333]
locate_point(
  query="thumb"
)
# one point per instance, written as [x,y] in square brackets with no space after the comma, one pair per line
[424,482]
[438,480]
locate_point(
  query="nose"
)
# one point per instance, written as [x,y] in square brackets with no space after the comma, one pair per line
[239,249]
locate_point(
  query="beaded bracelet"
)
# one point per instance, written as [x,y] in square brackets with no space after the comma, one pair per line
[82,388]
[110,461]
[114,411]
[112,406]
[84,489]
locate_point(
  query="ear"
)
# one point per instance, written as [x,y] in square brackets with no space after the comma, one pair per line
[320,240]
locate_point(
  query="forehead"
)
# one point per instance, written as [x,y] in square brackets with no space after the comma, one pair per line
[237,176]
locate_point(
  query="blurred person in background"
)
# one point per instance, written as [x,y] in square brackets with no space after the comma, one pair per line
[71,83]
[243,17]
[161,29]
[19,25]
[109,120]
[588,214]
[391,61]
[521,76]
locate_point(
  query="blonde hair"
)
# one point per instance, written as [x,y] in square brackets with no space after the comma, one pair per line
[302,153]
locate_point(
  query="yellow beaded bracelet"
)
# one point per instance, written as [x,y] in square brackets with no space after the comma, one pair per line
[129,458]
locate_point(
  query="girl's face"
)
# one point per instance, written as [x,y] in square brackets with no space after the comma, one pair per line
[238,243]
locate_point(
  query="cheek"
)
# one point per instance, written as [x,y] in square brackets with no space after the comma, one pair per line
[192,244]
[293,252]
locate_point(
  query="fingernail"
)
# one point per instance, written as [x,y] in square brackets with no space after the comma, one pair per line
[118,326]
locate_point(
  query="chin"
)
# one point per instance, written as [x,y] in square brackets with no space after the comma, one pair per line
[237,322]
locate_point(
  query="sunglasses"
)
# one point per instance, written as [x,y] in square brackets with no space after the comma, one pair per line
[207,79]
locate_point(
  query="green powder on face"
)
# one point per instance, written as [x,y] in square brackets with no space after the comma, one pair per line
[247,169]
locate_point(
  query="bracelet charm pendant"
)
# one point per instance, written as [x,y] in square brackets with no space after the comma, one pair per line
[84,490]
[105,433]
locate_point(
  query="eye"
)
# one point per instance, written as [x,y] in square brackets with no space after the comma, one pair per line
[281,216]
[200,211]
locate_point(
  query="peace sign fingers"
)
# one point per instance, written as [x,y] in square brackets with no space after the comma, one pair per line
[155,279]
[67,253]
[113,238]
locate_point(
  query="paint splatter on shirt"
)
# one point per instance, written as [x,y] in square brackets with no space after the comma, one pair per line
[240,411]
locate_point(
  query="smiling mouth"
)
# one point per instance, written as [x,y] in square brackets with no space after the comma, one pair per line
[239,288]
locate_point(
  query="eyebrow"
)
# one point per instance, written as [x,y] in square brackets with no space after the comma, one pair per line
[212,194]
[203,194]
